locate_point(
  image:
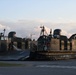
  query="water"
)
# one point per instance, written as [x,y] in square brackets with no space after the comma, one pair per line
[61,67]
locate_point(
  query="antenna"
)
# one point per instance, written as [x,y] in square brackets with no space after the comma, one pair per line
[43,31]
[4,31]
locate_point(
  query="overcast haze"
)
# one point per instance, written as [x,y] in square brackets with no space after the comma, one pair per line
[26,16]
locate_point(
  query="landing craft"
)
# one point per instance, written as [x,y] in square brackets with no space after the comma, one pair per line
[47,47]
[14,48]
[54,46]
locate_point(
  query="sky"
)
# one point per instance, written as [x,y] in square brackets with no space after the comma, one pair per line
[26,16]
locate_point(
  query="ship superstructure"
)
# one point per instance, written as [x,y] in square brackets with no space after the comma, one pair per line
[55,46]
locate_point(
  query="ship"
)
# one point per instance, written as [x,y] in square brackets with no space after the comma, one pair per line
[13,47]
[54,46]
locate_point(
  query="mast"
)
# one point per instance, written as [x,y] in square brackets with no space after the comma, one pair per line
[43,31]
[4,33]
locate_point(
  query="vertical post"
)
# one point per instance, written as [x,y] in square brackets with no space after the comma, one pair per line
[4,33]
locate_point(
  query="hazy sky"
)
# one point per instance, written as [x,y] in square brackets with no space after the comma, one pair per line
[49,10]
[32,13]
